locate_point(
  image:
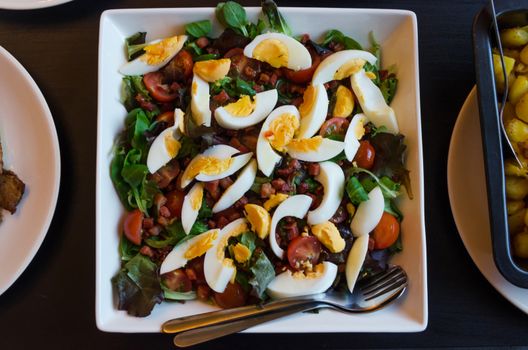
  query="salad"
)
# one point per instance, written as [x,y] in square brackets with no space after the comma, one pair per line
[254,165]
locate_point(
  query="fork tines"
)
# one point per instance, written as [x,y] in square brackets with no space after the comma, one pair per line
[392,279]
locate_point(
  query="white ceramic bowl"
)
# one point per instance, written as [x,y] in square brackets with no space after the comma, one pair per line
[397,32]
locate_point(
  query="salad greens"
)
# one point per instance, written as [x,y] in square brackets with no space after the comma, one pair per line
[134,45]
[276,22]
[336,36]
[199,28]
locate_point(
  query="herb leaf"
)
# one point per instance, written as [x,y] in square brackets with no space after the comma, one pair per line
[135,44]
[232,15]
[356,192]
[172,295]
[338,37]
[263,273]
[199,28]
[277,23]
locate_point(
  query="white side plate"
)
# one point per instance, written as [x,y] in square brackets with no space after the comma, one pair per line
[31,150]
[465,175]
[397,32]
[29,4]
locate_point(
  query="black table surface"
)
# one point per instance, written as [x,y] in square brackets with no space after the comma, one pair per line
[52,304]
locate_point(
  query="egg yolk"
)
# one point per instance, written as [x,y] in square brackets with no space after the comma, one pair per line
[351,209]
[171,145]
[259,218]
[309,97]
[207,165]
[274,200]
[282,130]
[196,199]
[272,51]
[306,145]
[241,108]
[351,67]
[370,75]
[212,70]
[241,252]
[344,103]
[201,246]
[314,272]
[328,234]
[158,52]
[243,227]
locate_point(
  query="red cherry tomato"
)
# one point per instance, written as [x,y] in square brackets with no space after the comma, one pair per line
[184,63]
[175,202]
[303,249]
[386,232]
[132,226]
[365,155]
[177,281]
[233,296]
[303,76]
[159,91]
[334,126]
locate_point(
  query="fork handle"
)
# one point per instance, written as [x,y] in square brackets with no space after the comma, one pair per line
[201,335]
[215,317]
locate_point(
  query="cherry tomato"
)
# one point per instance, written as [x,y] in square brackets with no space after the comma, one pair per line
[303,249]
[183,62]
[386,232]
[233,296]
[132,226]
[167,117]
[304,75]
[365,155]
[334,126]
[159,91]
[175,202]
[177,281]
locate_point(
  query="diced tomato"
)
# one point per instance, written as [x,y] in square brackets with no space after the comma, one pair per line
[302,250]
[175,203]
[233,296]
[334,126]
[386,232]
[132,226]
[365,155]
[177,281]
[159,91]
[305,75]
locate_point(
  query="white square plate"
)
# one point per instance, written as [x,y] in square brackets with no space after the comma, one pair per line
[396,31]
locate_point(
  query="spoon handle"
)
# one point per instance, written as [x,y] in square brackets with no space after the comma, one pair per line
[215,317]
[201,335]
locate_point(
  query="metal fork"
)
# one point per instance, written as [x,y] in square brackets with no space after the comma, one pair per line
[369,295]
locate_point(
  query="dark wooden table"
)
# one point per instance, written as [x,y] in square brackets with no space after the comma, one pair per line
[51,306]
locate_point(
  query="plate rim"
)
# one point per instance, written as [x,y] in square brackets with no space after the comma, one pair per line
[17,5]
[56,167]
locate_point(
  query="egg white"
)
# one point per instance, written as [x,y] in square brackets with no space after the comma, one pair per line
[328,149]
[200,101]
[368,213]
[296,206]
[332,178]
[286,285]
[355,260]
[237,189]
[158,154]
[264,104]
[188,214]
[354,133]
[373,103]
[312,121]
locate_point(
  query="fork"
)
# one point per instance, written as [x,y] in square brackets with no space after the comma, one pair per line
[370,294]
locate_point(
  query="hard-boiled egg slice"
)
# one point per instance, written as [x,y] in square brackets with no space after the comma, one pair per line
[341,65]
[212,70]
[188,250]
[315,149]
[259,218]
[289,284]
[332,178]
[192,203]
[200,101]
[368,213]
[214,163]
[355,260]
[372,102]
[278,129]
[166,145]
[355,131]
[279,50]
[313,110]
[344,102]
[244,112]
[157,54]
[218,269]
[296,206]
[237,189]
